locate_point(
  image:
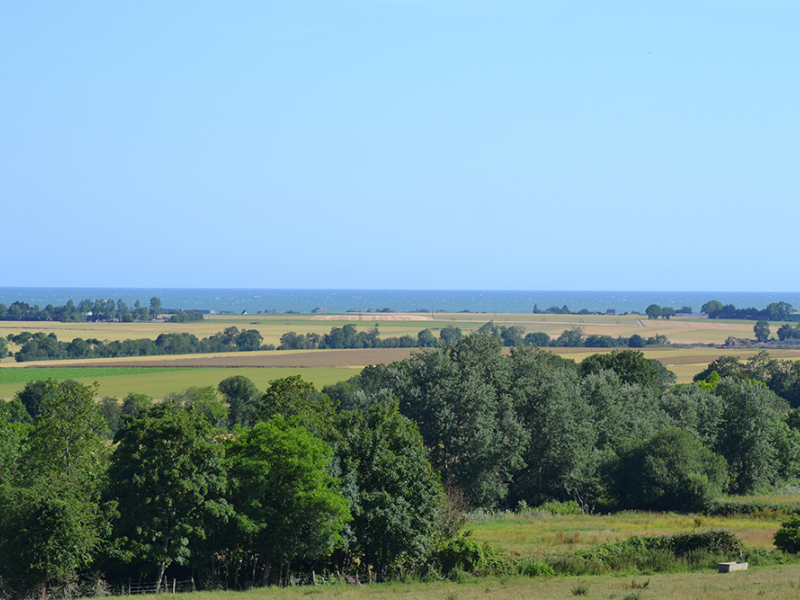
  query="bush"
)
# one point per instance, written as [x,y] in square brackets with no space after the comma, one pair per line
[535,568]
[462,554]
[664,553]
[787,538]
[671,471]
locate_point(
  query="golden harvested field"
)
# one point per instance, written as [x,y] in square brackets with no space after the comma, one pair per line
[271,327]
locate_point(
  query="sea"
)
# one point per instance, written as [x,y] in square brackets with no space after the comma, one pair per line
[478,301]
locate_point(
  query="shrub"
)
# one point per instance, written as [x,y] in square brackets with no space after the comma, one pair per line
[787,538]
[535,568]
[671,471]
[462,553]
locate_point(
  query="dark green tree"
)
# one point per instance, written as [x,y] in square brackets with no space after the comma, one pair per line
[761,331]
[169,479]
[747,433]
[299,403]
[155,307]
[450,334]
[242,397]
[538,338]
[653,311]
[396,496]
[670,471]
[631,366]
[205,401]
[458,395]
[559,457]
[426,339]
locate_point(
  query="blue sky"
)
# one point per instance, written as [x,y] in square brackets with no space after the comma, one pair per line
[437,144]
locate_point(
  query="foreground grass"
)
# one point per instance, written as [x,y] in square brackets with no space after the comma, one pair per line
[770,582]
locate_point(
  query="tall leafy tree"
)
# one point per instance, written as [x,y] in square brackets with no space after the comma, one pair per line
[168,476]
[560,455]
[242,397]
[287,505]
[747,433]
[51,519]
[396,496]
[299,403]
[458,395]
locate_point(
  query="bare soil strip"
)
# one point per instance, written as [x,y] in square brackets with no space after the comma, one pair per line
[374,317]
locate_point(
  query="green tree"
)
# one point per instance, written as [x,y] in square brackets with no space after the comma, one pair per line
[623,412]
[571,338]
[31,396]
[559,458]
[538,338]
[287,505]
[205,401]
[636,341]
[426,339]
[169,479]
[747,433]
[458,395]
[450,334]
[761,330]
[135,406]
[51,520]
[249,340]
[631,366]
[242,397]
[299,403]
[670,471]
[396,496]
[653,311]
[667,312]
[712,308]
[155,307]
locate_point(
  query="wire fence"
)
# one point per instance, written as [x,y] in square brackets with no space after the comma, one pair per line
[169,586]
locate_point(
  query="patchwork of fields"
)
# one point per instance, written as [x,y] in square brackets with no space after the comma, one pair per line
[177,372]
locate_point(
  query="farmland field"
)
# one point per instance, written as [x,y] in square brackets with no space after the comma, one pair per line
[158,382]
[176,372]
[271,327]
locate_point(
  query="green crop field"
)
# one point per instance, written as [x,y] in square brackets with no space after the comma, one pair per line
[159,381]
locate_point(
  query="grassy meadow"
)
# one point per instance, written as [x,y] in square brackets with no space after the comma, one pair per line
[158,382]
[774,583]
[520,536]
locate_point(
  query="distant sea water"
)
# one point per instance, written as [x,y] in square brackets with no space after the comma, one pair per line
[304,301]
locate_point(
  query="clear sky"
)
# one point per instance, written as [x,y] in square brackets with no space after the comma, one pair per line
[420,144]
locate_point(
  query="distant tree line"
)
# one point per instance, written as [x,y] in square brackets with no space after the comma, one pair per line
[42,346]
[515,335]
[85,310]
[776,311]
